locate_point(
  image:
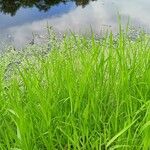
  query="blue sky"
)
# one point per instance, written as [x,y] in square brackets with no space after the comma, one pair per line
[98,15]
[27,15]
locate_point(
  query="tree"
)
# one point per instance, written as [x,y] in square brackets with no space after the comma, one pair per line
[11,6]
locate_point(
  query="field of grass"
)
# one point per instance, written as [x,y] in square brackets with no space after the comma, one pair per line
[83,94]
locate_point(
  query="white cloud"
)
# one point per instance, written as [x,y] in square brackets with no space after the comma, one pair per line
[95,14]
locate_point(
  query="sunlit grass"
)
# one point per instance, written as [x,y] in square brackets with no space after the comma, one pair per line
[83,94]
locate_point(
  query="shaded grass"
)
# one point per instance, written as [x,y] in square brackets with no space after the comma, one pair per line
[83,94]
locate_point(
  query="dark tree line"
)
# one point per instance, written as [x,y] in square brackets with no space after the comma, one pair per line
[11,6]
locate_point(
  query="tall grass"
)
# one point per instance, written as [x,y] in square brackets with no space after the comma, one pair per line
[84,94]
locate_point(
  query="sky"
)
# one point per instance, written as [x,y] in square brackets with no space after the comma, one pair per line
[99,15]
[28,15]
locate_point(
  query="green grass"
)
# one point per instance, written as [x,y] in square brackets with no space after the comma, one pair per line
[85,94]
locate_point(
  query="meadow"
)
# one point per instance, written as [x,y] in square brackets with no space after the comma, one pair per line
[77,93]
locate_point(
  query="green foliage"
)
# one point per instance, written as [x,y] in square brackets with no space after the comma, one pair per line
[12,6]
[83,94]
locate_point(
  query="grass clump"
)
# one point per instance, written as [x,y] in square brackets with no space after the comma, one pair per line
[84,94]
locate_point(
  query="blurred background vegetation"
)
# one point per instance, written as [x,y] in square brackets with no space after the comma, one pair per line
[11,6]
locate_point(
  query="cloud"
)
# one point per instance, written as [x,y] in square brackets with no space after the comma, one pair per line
[138,11]
[97,15]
